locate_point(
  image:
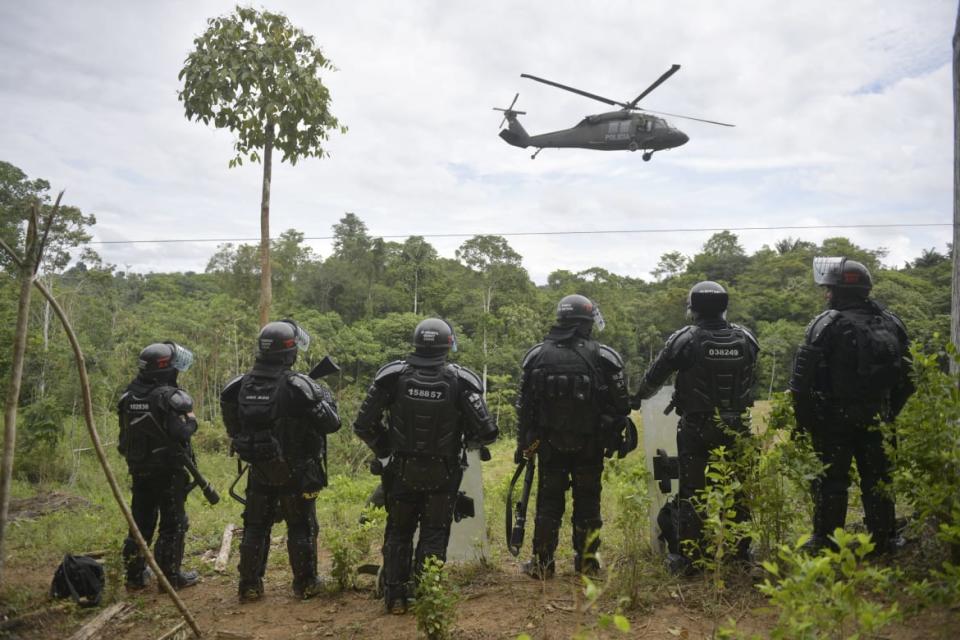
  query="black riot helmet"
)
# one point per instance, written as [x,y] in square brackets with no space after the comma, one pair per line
[163,360]
[279,342]
[847,278]
[707,299]
[434,337]
[576,309]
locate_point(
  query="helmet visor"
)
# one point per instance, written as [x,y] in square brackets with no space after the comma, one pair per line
[598,322]
[453,338]
[827,271]
[182,357]
[300,335]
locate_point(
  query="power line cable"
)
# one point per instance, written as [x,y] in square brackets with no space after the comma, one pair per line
[558,233]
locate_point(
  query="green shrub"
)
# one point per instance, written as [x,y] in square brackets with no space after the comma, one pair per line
[825,596]
[350,544]
[924,445]
[778,465]
[717,504]
[436,603]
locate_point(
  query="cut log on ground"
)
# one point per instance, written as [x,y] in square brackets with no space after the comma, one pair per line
[220,564]
[93,628]
[30,618]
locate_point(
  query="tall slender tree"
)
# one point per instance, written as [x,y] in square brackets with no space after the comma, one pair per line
[254,73]
[496,264]
[955,308]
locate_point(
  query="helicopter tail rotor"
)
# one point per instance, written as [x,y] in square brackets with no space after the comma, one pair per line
[509,113]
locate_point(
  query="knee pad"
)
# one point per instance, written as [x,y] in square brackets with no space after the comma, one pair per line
[259,511]
[402,516]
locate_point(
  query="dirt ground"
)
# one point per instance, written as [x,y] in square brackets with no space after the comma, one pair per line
[495,603]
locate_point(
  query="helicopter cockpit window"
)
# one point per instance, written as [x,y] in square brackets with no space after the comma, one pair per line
[648,125]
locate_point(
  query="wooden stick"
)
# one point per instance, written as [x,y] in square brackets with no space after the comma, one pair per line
[92,629]
[102,456]
[169,635]
[220,564]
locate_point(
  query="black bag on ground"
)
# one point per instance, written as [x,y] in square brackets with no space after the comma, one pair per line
[80,578]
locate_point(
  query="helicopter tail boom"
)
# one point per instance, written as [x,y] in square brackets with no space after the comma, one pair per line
[516,139]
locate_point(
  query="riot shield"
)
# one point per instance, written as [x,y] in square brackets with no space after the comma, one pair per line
[468,537]
[659,433]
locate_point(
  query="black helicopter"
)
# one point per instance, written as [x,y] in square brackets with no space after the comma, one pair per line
[626,129]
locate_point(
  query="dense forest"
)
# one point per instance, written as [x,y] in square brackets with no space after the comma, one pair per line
[361,302]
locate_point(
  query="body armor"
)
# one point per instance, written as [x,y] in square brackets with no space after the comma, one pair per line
[867,361]
[424,425]
[722,372]
[565,385]
[144,439]
[279,441]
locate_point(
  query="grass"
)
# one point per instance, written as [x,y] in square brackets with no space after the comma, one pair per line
[635,578]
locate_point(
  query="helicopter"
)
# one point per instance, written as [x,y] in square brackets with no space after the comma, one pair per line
[625,130]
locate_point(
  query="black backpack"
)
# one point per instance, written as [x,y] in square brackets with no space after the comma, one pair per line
[868,362]
[80,578]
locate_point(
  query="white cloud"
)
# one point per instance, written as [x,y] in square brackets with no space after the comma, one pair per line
[843,110]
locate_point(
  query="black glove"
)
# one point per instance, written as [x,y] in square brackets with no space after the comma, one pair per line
[635,401]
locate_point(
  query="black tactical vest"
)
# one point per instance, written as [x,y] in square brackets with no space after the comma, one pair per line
[722,375]
[566,391]
[424,421]
[143,436]
[866,359]
[278,440]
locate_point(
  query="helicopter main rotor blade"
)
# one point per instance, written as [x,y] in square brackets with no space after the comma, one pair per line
[675,115]
[672,70]
[572,90]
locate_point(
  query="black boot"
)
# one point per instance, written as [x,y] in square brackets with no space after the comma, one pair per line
[539,567]
[396,598]
[679,565]
[880,518]
[829,514]
[303,563]
[135,566]
[585,560]
[169,554]
[397,561]
[254,550]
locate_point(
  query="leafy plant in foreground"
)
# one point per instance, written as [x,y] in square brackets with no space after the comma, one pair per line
[825,596]
[723,532]
[436,604]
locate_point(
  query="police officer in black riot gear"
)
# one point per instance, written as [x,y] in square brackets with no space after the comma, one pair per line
[435,410]
[715,363]
[278,421]
[572,410]
[851,372]
[156,424]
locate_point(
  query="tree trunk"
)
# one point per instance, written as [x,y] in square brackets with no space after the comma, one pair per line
[955,307]
[42,382]
[266,290]
[773,373]
[16,376]
[416,283]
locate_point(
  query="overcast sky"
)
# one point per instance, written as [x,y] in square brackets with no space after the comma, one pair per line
[843,113]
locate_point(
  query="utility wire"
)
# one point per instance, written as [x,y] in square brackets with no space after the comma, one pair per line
[556,233]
